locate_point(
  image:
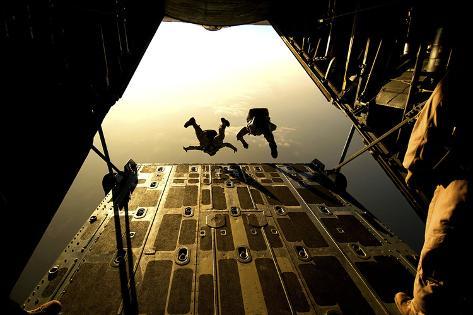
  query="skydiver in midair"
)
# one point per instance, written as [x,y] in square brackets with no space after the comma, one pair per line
[209,140]
[259,123]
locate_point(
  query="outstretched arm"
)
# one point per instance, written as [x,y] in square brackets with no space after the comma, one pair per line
[192,147]
[229,145]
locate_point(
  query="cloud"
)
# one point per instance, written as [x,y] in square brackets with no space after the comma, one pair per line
[233,130]
[284,137]
[232,110]
[233,106]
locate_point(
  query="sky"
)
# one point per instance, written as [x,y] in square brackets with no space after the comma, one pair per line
[188,71]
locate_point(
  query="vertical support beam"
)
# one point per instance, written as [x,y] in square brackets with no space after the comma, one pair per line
[412,88]
[350,47]
[131,273]
[316,50]
[373,65]
[447,64]
[129,305]
[362,70]
[121,256]
[107,72]
[331,13]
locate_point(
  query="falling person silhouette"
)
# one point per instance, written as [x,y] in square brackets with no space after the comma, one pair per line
[259,123]
[209,140]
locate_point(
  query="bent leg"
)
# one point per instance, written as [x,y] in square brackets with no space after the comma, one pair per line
[198,131]
[268,135]
[241,134]
[221,133]
[439,273]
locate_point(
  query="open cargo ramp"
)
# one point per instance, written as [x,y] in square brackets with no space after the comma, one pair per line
[234,239]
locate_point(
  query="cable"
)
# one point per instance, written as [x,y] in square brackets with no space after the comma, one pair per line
[330,19]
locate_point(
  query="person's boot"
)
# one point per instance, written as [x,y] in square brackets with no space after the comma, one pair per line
[225,122]
[52,307]
[404,304]
[243,142]
[191,121]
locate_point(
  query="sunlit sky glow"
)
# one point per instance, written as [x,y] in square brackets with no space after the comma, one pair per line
[188,71]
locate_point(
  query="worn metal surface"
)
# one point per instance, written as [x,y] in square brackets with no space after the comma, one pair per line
[247,248]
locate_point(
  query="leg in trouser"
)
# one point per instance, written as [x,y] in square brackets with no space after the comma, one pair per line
[198,131]
[243,132]
[221,130]
[443,273]
[272,143]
